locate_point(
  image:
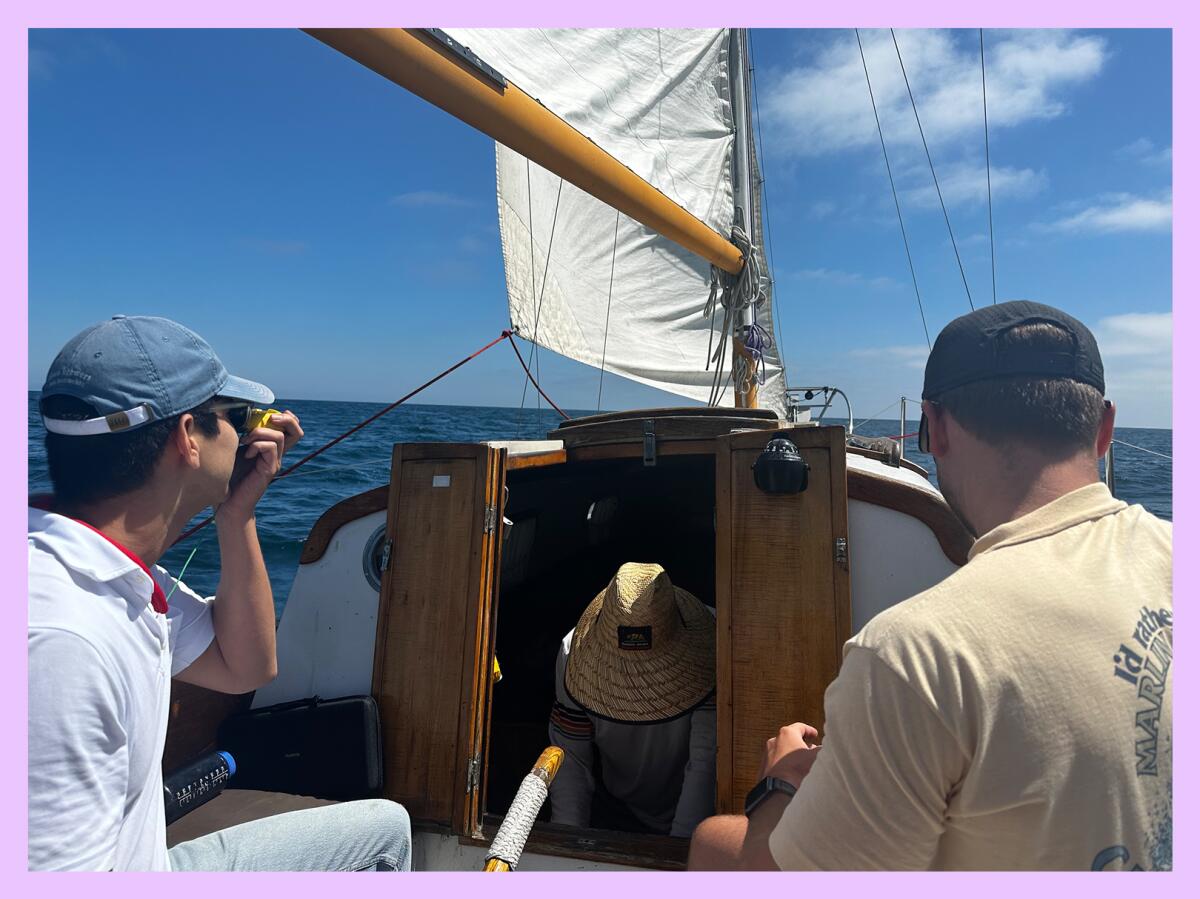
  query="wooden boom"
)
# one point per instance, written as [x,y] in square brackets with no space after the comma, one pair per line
[418,63]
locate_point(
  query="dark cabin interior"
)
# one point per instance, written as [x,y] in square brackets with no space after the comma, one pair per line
[573,525]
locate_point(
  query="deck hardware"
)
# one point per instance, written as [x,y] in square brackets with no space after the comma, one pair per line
[465,54]
[387,557]
[489,520]
[473,768]
[649,444]
[840,551]
[780,469]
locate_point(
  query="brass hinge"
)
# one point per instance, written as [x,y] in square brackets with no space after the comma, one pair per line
[489,520]
[840,551]
[387,556]
[473,767]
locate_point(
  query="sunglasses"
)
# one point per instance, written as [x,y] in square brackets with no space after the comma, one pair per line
[238,412]
[923,430]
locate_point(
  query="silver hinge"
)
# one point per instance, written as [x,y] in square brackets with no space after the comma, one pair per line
[387,556]
[840,550]
[489,520]
[473,767]
[649,444]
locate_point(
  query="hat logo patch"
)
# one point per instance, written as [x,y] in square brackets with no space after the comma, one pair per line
[635,638]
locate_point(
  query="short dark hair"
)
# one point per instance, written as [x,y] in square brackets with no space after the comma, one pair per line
[1058,416]
[91,468]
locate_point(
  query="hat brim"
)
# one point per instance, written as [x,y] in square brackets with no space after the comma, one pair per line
[643,687]
[242,389]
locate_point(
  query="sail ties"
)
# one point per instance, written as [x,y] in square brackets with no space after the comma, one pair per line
[740,296]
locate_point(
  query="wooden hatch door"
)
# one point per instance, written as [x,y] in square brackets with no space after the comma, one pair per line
[783,598]
[435,635]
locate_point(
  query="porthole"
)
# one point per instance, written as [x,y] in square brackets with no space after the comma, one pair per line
[373,557]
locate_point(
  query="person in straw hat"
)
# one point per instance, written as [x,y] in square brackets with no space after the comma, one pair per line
[634,683]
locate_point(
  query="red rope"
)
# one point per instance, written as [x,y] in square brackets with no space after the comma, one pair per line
[903,436]
[358,427]
[532,380]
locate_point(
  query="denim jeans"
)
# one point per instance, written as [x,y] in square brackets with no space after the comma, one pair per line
[368,835]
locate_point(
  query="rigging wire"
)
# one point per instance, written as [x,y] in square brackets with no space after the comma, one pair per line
[860,424]
[929,157]
[608,311]
[287,472]
[766,212]
[987,155]
[895,196]
[1143,449]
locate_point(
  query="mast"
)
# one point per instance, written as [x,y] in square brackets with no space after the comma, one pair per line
[739,70]
[443,73]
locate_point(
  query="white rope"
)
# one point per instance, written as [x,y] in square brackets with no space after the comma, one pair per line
[514,830]
[1142,448]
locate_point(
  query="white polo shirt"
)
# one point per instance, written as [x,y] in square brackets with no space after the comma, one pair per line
[100,666]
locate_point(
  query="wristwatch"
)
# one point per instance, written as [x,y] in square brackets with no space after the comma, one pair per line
[765,788]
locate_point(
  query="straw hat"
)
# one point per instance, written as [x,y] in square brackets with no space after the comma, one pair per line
[644,650]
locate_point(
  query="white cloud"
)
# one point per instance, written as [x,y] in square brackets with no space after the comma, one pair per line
[1135,334]
[822,209]
[1136,349]
[1116,213]
[418,199]
[967,183]
[1144,151]
[824,107]
[906,356]
[836,276]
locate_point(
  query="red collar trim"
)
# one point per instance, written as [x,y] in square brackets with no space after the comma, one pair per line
[158,599]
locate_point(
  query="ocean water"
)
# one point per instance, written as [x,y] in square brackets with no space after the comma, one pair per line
[291,506]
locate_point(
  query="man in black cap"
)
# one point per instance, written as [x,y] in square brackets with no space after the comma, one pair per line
[1018,714]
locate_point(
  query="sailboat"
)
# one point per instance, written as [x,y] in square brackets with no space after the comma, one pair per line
[629,203]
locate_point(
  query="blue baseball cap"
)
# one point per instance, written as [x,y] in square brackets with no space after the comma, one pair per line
[140,368]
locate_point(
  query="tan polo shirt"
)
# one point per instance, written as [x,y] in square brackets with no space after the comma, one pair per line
[1015,716]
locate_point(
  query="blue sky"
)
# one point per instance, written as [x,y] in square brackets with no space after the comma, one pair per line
[334,236]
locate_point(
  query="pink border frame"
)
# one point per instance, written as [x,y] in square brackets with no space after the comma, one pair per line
[18,16]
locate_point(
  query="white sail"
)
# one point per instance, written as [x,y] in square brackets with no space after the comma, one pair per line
[584,281]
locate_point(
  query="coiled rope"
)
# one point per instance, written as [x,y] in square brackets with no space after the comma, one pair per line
[736,294]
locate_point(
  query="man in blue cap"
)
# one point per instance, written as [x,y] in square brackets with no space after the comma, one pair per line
[144,430]
[1018,714]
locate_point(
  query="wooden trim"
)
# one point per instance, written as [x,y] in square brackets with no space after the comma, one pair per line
[536,460]
[639,850]
[723,565]
[928,508]
[338,515]
[666,430]
[601,452]
[668,412]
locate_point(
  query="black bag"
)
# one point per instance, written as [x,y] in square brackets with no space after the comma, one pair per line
[330,749]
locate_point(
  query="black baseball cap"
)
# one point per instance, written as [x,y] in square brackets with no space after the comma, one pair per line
[968,349]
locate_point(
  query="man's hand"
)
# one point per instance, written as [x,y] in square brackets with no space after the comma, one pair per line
[263,449]
[790,755]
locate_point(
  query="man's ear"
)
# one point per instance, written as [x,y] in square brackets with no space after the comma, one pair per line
[183,441]
[1104,436]
[939,441]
